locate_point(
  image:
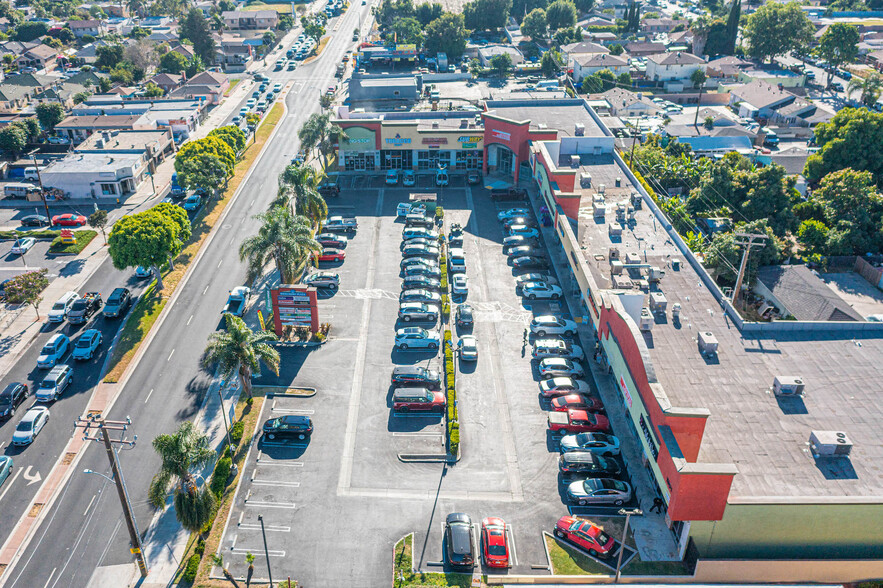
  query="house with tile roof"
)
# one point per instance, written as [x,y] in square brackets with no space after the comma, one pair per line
[673,66]
[41,57]
[586,64]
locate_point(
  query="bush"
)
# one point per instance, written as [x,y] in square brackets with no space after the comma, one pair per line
[219,477]
[200,547]
[40,234]
[192,568]
[236,432]
[439,212]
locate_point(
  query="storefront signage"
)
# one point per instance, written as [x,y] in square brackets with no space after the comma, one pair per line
[405,48]
[625,392]
[648,436]
[468,139]
[435,140]
[294,306]
[470,145]
[501,135]
[398,140]
[359,139]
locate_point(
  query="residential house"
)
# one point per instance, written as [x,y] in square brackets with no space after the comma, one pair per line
[598,21]
[797,291]
[661,25]
[154,145]
[584,48]
[677,66]
[209,86]
[14,98]
[41,57]
[185,50]
[95,175]
[681,38]
[603,38]
[776,77]
[643,49]
[624,103]
[727,67]
[5,24]
[81,28]
[759,99]
[875,59]
[79,128]
[233,53]
[485,54]
[168,82]
[250,19]
[588,64]
[17,47]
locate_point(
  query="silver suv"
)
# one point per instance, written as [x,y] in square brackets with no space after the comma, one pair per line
[416,338]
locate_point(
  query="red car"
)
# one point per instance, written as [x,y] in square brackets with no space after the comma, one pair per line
[582,401]
[331,254]
[584,534]
[577,421]
[493,543]
[69,220]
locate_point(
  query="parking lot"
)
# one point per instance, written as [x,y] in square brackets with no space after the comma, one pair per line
[509,459]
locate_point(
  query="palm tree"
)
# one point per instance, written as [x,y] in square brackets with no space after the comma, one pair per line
[869,87]
[184,451]
[300,183]
[239,350]
[283,237]
[321,134]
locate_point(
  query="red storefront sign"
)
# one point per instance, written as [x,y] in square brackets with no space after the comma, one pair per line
[294,306]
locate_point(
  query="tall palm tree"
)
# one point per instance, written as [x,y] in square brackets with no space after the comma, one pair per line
[321,134]
[239,350]
[183,452]
[300,183]
[869,87]
[283,237]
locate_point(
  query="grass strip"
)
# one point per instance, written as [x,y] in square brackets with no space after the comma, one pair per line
[233,83]
[322,43]
[280,8]
[38,234]
[569,562]
[403,577]
[142,320]
[82,239]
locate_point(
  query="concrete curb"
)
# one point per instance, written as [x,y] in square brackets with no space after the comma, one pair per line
[423,458]
[312,391]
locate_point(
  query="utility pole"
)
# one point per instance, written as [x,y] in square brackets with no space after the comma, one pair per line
[747,240]
[105,427]
[266,552]
[634,142]
[33,155]
[698,106]
[628,515]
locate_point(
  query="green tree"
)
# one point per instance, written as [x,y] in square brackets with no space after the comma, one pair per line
[27,288]
[548,65]
[139,32]
[268,39]
[284,238]
[447,34]
[239,351]
[108,56]
[98,220]
[624,80]
[716,34]
[173,63]
[177,215]
[561,14]
[13,140]
[321,134]
[49,114]
[521,8]
[475,68]
[838,45]
[299,184]
[204,171]
[426,12]
[775,29]
[733,18]
[486,15]
[851,139]
[122,75]
[406,30]
[584,5]
[196,28]
[147,238]
[286,22]
[501,64]
[698,77]
[151,90]
[724,255]
[853,210]
[232,135]
[616,49]
[812,236]
[534,24]
[29,31]
[769,195]
[183,454]
[81,97]
[869,88]
[104,85]
[209,144]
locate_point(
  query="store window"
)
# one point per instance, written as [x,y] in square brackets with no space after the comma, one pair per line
[358,161]
[433,159]
[108,189]
[471,159]
[395,159]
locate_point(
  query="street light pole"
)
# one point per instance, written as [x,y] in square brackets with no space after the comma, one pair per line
[628,515]
[266,552]
[33,155]
[224,413]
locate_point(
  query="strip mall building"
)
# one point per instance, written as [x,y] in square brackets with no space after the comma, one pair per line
[751,493]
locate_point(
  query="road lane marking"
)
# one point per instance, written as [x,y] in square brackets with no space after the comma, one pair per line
[220,262]
[190,319]
[148,396]
[170,355]
[90,504]
[272,552]
[9,484]
[204,291]
[289,505]
[269,528]
[50,578]
[274,463]
[295,410]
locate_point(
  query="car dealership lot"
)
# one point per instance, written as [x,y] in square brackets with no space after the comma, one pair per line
[355,466]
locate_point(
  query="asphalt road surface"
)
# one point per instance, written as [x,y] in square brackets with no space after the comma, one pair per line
[84,528]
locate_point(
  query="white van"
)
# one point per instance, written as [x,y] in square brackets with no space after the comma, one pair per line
[31,174]
[60,309]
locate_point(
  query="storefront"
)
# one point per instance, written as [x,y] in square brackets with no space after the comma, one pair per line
[358,149]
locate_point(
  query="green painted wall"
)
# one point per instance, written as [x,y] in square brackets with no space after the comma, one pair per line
[792,531]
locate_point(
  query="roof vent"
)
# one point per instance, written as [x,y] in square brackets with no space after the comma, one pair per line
[829,443]
[435,125]
[574,161]
[788,386]
[579,130]
[707,343]
[463,123]
[585,180]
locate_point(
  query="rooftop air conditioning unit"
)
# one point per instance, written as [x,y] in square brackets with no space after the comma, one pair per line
[602,188]
[574,161]
[463,123]
[579,130]
[788,386]
[646,320]
[585,180]
[828,443]
[707,343]
[435,125]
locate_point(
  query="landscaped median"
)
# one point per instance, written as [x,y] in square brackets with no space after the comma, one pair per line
[404,576]
[453,420]
[82,239]
[151,303]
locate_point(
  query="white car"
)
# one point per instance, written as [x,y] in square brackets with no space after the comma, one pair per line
[543,348]
[467,345]
[541,290]
[62,306]
[30,425]
[460,284]
[416,338]
[600,443]
[552,325]
[524,230]
[512,213]
[534,277]
[22,246]
[553,367]
[562,386]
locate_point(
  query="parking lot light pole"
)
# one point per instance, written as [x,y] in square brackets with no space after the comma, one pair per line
[628,514]
[33,155]
[266,552]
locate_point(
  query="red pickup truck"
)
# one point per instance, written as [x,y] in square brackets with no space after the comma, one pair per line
[577,421]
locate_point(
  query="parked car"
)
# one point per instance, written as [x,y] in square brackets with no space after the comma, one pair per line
[494,544]
[521,280]
[512,213]
[332,240]
[577,421]
[392,177]
[416,219]
[341,223]
[543,348]
[441,178]
[418,311]
[290,426]
[420,283]
[420,296]
[331,254]
[60,309]
[30,425]
[69,220]
[53,350]
[5,468]
[540,290]
[55,383]
[460,284]
[508,194]
[563,385]
[585,535]
[553,367]
[117,303]
[420,269]
[409,178]
[84,307]
[412,232]
[530,262]
[524,250]
[87,344]
[415,375]
[459,541]
[11,397]
[552,325]
[22,246]
[524,230]
[420,251]
[576,401]
[513,241]
[143,272]
[519,220]
[416,338]
[192,202]
[465,316]
[34,220]
[585,464]
[473,177]
[403,209]
[599,491]
[601,443]
[467,345]
[418,399]
[328,280]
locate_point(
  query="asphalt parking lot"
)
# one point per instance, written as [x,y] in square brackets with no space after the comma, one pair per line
[350,473]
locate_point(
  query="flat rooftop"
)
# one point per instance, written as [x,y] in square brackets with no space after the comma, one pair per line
[126,140]
[80,163]
[560,115]
[765,437]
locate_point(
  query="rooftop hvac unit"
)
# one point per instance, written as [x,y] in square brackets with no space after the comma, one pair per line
[464,123]
[613,253]
[632,258]
[602,188]
[707,343]
[598,209]
[585,180]
[655,274]
[788,386]
[620,212]
[614,230]
[658,302]
[646,319]
[574,161]
[579,130]
[828,443]
[636,200]
[616,267]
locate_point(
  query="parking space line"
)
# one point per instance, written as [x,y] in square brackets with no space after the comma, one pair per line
[271,552]
[295,464]
[283,444]
[269,483]
[288,505]
[295,410]
[268,528]
[170,355]
[511,539]
[417,434]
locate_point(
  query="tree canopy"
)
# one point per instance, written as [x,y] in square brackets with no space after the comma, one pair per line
[27,288]
[426,12]
[232,135]
[534,24]
[851,139]
[486,15]
[147,239]
[775,29]
[561,14]
[501,63]
[49,114]
[853,211]
[838,45]
[196,28]
[210,144]
[406,30]
[447,34]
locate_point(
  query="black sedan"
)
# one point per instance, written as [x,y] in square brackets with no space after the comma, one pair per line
[420,282]
[520,240]
[530,262]
[525,251]
[465,317]
[11,396]
[421,270]
[290,426]
[34,220]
